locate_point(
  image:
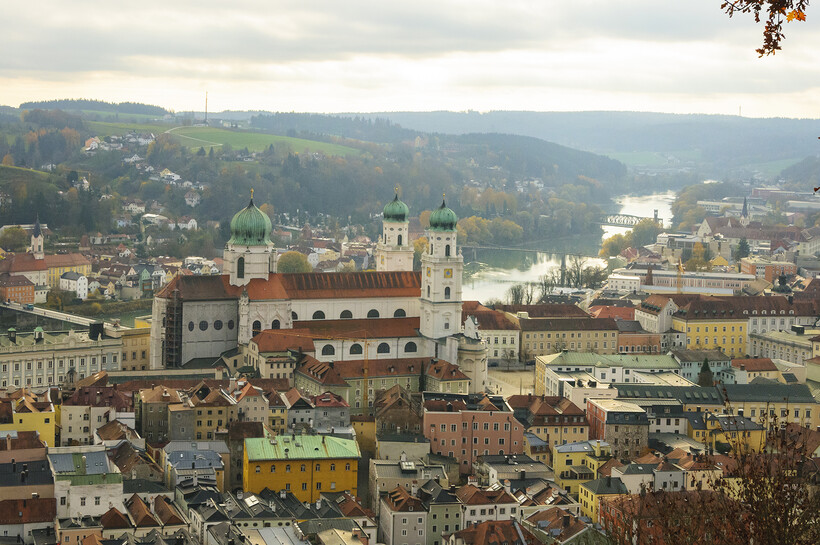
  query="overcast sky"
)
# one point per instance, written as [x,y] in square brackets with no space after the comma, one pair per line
[355,55]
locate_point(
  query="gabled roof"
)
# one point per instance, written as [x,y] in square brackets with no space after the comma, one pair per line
[114,519]
[755,365]
[140,512]
[472,495]
[282,340]
[107,396]
[166,512]
[496,533]
[400,500]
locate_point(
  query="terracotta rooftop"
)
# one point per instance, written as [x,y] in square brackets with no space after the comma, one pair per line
[282,340]
[140,512]
[399,499]
[365,328]
[472,495]
[159,394]
[114,519]
[28,511]
[107,396]
[755,365]
[495,533]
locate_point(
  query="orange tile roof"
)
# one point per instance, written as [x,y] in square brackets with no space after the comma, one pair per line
[66,260]
[282,340]
[754,365]
[140,512]
[19,263]
[472,495]
[114,519]
[495,532]
[365,328]
[27,511]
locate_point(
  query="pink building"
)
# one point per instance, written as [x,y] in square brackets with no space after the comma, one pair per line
[466,426]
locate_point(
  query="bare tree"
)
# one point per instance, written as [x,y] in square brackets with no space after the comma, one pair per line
[765,496]
[547,282]
[515,295]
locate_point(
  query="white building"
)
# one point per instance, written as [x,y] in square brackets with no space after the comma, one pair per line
[76,283]
[86,483]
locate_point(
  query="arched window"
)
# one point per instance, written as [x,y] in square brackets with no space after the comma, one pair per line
[428,291]
[346,315]
[410,347]
[318,315]
[399,313]
[294,316]
[373,313]
[240,267]
[328,350]
[431,248]
[447,250]
[399,241]
[275,324]
[257,327]
[356,349]
[446,293]
[383,348]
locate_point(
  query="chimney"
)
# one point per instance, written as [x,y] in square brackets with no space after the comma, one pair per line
[414,490]
[318,504]
[565,522]
[507,486]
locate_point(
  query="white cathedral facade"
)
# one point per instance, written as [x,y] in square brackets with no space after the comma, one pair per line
[197,318]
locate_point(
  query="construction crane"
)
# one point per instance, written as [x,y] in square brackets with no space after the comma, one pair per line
[679,279]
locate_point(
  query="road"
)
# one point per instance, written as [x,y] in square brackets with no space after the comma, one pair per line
[512,382]
[56,315]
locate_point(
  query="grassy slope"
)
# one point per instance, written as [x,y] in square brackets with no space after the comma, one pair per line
[194,137]
[11,177]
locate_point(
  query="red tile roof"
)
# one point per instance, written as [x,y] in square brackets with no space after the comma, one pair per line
[328,399]
[356,285]
[365,328]
[399,499]
[66,260]
[114,519]
[19,263]
[755,365]
[28,511]
[472,495]
[140,512]
[282,340]
[495,533]
[107,396]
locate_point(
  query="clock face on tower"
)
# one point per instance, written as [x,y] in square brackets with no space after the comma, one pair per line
[448,273]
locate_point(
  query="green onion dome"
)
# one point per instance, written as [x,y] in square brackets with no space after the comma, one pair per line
[396,211]
[443,218]
[250,227]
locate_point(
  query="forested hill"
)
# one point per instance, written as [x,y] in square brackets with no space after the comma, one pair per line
[95,105]
[521,156]
[721,140]
[527,157]
[377,129]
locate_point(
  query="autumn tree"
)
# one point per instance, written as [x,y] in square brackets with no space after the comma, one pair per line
[293,262]
[774,13]
[14,239]
[765,496]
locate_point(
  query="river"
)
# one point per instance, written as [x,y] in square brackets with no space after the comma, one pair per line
[490,273]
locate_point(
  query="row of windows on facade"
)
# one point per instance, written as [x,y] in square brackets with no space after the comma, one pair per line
[454,427]
[355,349]
[706,329]
[61,363]
[302,468]
[534,346]
[446,292]
[562,335]
[706,340]
[503,340]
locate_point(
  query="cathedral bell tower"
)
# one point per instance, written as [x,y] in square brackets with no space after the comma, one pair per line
[37,240]
[249,253]
[394,251]
[441,268]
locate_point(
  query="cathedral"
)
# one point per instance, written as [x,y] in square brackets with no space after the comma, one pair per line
[409,313]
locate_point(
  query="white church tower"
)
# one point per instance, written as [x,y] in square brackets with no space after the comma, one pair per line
[394,251]
[249,253]
[441,268]
[37,240]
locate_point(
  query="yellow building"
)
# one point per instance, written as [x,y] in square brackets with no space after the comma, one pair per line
[305,465]
[62,263]
[365,428]
[278,414]
[712,325]
[592,492]
[577,463]
[541,336]
[734,432]
[773,403]
[27,412]
[136,349]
